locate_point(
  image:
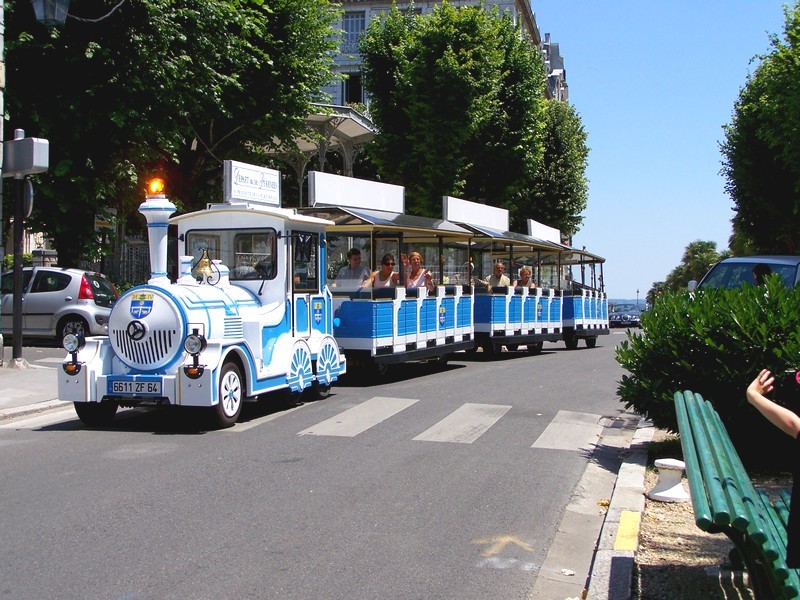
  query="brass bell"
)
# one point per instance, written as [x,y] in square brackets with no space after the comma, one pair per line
[202,270]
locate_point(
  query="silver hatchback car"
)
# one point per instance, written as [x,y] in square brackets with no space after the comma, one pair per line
[56,301]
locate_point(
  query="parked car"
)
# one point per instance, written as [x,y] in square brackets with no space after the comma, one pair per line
[625,315]
[56,301]
[733,272]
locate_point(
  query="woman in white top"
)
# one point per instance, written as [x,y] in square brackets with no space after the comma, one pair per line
[384,277]
[417,276]
[525,279]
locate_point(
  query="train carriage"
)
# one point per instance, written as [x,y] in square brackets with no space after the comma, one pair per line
[378,327]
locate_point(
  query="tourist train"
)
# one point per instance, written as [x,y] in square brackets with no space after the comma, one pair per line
[247,300]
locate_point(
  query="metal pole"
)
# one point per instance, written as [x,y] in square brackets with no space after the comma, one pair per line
[2,110]
[19,183]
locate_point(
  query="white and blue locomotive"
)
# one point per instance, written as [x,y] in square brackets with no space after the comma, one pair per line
[255,319]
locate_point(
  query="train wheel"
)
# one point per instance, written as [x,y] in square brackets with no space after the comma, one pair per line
[231,396]
[95,414]
[327,364]
[591,342]
[300,374]
[512,347]
[571,341]
[535,348]
[321,390]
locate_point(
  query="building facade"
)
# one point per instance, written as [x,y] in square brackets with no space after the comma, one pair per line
[358,14]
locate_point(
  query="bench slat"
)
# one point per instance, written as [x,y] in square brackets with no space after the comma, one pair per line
[739,494]
[702,511]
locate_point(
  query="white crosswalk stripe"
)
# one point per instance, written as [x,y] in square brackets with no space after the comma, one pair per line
[570,431]
[466,424]
[360,418]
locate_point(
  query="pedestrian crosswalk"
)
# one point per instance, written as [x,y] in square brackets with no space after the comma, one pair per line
[465,424]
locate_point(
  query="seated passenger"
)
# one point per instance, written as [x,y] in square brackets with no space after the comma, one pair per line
[497,279]
[416,276]
[353,274]
[525,279]
[386,276]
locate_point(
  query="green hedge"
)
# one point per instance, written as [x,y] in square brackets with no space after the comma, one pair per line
[714,342]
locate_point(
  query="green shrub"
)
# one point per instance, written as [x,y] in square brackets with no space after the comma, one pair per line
[714,342]
[8,260]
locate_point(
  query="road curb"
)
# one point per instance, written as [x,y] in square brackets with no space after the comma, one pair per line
[612,569]
[32,409]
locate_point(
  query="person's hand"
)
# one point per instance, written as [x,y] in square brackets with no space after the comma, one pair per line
[404,259]
[761,385]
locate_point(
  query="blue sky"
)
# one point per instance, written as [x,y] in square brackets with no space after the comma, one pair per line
[654,83]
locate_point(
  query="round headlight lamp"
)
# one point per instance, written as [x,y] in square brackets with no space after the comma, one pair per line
[194,343]
[72,342]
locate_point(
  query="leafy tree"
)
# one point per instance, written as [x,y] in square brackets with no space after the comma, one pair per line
[455,95]
[761,150]
[172,87]
[697,259]
[557,188]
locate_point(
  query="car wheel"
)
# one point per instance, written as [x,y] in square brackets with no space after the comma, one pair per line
[95,414]
[591,342]
[71,324]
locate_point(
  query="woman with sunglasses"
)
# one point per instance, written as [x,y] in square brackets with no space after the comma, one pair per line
[386,276]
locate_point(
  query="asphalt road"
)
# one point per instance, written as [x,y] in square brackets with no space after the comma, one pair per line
[436,483]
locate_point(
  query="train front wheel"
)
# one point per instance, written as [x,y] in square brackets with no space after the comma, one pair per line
[231,396]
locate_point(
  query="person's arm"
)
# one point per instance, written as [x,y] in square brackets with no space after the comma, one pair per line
[369,281]
[783,418]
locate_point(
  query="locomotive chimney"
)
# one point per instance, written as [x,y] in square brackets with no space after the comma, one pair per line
[157,209]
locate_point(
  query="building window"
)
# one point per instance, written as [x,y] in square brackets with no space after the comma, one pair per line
[352,89]
[353,24]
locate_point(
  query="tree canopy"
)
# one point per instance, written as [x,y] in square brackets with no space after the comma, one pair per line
[557,189]
[169,87]
[457,96]
[761,150]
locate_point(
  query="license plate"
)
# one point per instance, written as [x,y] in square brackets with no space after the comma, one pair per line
[134,388]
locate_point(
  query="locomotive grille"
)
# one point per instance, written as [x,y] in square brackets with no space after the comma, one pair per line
[234,327]
[157,348]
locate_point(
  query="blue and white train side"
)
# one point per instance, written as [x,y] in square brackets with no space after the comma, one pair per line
[255,318]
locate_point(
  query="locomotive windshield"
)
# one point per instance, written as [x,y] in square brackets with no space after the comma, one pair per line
[248,254]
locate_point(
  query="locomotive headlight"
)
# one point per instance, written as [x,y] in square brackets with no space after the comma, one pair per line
[73,342]
[194,343]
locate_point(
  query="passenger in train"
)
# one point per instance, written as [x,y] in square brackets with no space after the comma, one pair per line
[525,279]
[497,279]
[384,277]
[416,276]
[353,274]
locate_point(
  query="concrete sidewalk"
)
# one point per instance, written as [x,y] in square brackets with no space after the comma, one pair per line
[28,389]
[591,555]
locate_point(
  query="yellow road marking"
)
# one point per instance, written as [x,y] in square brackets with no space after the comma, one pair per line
[499,542]
[628,531]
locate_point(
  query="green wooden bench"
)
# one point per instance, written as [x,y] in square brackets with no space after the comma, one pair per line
[725,500]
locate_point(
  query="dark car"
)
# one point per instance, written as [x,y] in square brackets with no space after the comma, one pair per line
[625,315]
[733,272]
[56,300]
